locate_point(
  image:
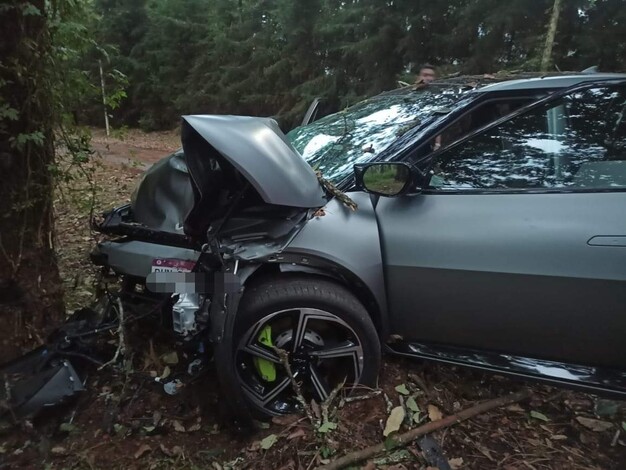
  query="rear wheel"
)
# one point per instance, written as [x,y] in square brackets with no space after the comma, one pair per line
[327,333]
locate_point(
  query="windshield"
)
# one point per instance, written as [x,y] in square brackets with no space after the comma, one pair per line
[360,133]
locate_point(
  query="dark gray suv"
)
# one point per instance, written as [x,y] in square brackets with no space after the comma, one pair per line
[481,226]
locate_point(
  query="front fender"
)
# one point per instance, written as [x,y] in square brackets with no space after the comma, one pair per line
[347,242]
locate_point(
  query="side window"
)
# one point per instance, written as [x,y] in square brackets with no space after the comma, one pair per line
[576,142]
[479,117]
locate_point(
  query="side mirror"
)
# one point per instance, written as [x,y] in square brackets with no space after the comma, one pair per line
[384,179]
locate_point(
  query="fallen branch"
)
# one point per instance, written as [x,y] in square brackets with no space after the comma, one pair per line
[284,359]
[326,404]
[402,440]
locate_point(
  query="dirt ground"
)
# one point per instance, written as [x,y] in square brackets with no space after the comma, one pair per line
[122,422]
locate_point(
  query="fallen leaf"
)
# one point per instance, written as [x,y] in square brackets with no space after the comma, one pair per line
[195,427]
[412,405]
[559,437]
[401,389]
[516,408]
[486,452]
[156,417]
[166,373]
[285,420]
[149,429]
[177,450]
[68,427]
[395,420]
[119,429]
[538,415]
[170,358]
[165,450]
[296,434]
[58,450]
[624,425]
[594,424]
[269,441]
[326,427]
[434,413]
[456,463]
[178,427]
[144,449]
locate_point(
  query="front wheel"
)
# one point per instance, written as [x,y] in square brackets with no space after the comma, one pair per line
[327,333]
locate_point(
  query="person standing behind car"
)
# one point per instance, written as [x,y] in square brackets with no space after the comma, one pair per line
[426,75]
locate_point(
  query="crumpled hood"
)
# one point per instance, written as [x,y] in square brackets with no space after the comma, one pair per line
[259,150]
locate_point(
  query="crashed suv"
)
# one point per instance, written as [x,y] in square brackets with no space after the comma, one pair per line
[479,226]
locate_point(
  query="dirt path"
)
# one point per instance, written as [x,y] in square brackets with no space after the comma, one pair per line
[134,148]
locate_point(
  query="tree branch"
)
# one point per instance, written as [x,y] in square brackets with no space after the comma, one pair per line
[402,440]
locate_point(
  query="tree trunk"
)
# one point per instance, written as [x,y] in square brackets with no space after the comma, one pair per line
[30,286]
[547,50]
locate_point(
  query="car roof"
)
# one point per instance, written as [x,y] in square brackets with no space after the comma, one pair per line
[555,81]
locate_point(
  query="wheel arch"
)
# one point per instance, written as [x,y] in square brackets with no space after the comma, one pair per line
[322,268]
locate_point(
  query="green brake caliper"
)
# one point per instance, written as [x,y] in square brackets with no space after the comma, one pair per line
[265,368]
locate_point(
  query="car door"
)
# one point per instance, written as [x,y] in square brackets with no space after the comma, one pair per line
[518,243]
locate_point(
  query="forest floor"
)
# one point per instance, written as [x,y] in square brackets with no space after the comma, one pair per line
[123,423]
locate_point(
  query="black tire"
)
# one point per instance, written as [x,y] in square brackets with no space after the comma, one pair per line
[330,321]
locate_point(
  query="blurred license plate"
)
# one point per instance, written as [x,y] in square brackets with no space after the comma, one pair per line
[172,265]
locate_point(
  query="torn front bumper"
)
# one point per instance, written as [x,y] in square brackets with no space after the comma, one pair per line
[37,380]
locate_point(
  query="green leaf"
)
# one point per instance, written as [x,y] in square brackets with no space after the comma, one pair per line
[119,429]
[327,426]
[326,452]
[28,9]
[412,405]
[8,113]
[68,427]
[624,425]
[401,389]
[398,456]
[269,441]
[149,429]
[390,443]
[537,415]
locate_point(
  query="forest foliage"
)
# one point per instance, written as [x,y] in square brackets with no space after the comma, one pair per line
[272,57]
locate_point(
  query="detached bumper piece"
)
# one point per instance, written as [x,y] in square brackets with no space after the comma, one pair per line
[119,222]
[37,380]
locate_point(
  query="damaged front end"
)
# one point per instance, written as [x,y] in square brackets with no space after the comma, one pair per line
[197,228]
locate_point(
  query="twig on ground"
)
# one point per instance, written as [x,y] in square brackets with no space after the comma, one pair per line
[403,439]
[421,384]
[121,345]
[366,396]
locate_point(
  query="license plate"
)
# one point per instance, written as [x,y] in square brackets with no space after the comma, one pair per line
[171,265]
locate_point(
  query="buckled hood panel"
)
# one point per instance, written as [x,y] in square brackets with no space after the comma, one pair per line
[259,150]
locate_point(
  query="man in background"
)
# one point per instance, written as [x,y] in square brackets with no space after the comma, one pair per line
[426,74]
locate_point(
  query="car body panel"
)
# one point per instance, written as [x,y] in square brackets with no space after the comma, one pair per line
[508,272]
[349,241]
[135,258]
[258,149]
[547,82]
[164,196]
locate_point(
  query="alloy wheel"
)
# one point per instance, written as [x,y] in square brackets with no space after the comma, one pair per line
[323,352]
